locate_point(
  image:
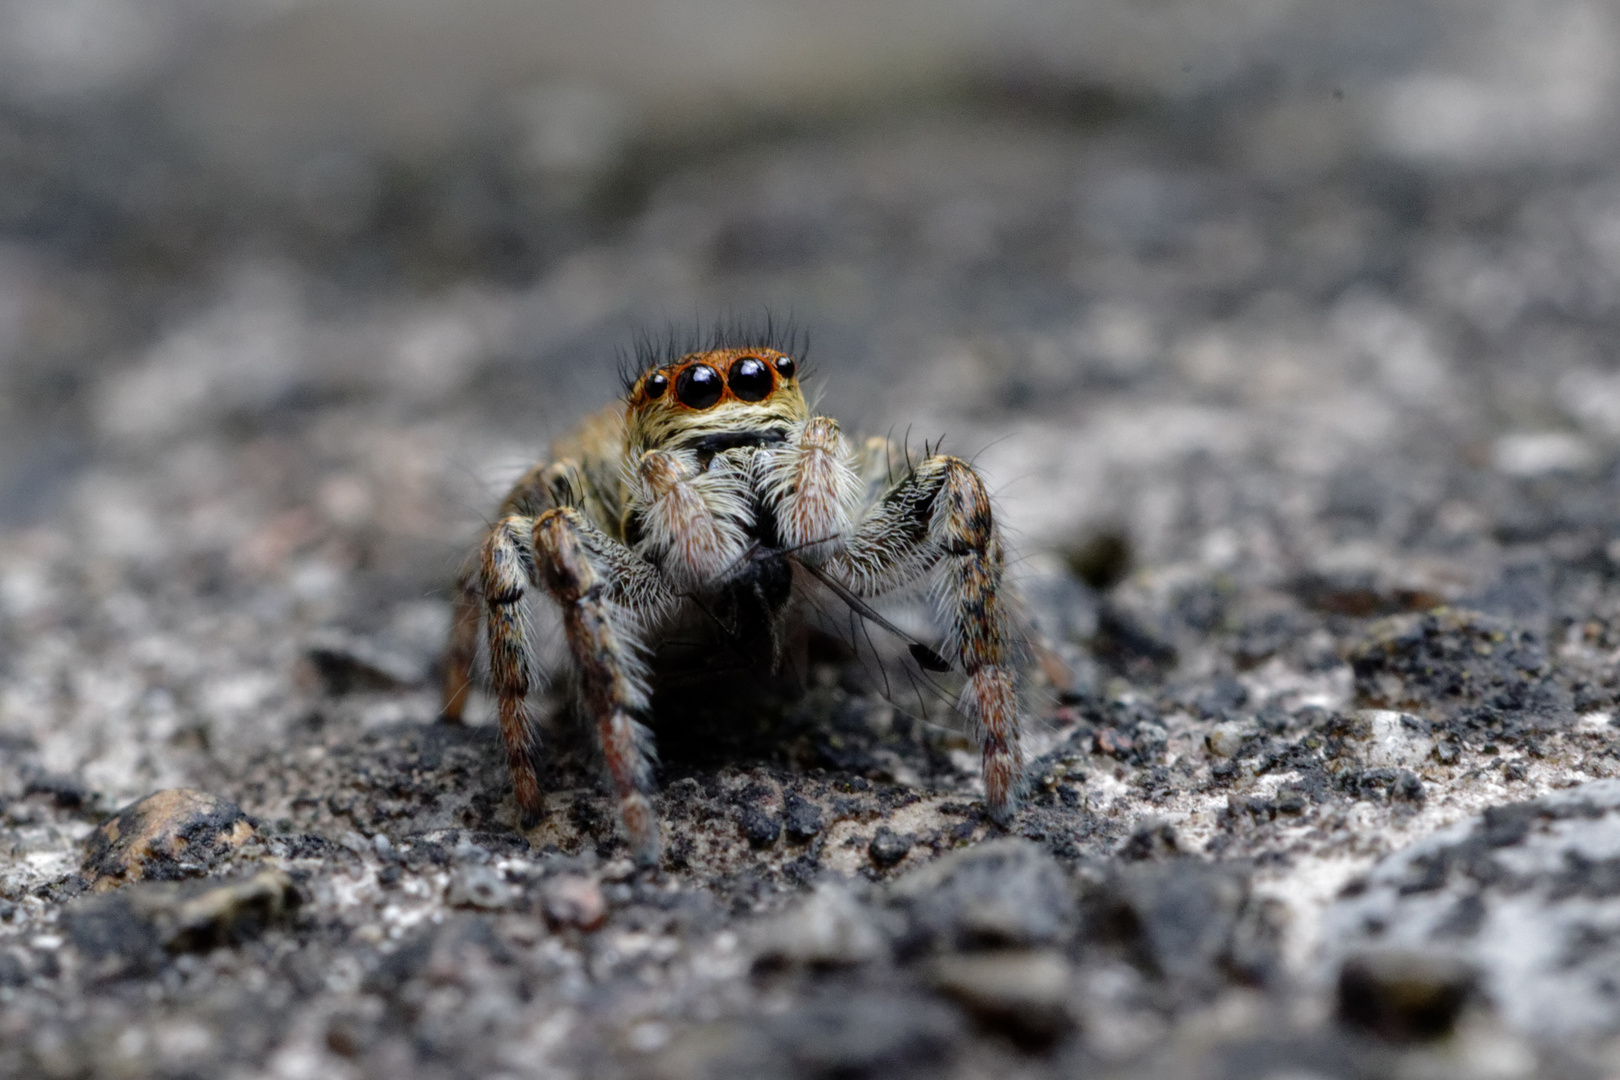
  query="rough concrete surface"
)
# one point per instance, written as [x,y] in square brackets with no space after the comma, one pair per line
[1295,379]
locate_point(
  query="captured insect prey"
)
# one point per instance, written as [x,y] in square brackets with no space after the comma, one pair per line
[712,497]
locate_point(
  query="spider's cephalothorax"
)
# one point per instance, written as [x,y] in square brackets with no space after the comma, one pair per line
[714,487]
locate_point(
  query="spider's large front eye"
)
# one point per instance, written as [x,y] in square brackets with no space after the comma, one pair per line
[655,385]
[750,379]
[699,386]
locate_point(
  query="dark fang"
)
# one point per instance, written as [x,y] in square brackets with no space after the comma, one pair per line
[699,387]
[927,658]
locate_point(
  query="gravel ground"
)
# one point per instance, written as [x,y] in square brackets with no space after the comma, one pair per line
[1308,443]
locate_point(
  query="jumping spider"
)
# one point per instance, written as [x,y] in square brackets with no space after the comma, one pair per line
[713,486]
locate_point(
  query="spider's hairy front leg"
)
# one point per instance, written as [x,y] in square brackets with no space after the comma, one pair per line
[598,582]
[939,515]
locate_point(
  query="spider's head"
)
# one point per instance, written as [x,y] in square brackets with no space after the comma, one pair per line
[734,390]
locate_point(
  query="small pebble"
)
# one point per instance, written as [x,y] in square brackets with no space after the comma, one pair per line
[571,900]
[760,828]
[1025,992]
[1004,892]
[803,819]
[1225,740]
[172,833]
[1404,995]
[480,887]
[830,929]
[888,847]
[1111,741]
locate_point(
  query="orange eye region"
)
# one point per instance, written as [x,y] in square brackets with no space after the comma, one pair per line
[703,380]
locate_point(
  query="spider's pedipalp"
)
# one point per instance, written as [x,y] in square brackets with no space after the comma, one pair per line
[685,519]
[811,486]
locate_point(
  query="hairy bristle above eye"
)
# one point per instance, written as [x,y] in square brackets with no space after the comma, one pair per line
[653,350]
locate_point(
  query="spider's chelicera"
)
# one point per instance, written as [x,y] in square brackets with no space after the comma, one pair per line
[714,486]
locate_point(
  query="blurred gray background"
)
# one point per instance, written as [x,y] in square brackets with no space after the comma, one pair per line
[247,209]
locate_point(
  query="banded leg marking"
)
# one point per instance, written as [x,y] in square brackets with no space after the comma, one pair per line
[612,680]
[504,575]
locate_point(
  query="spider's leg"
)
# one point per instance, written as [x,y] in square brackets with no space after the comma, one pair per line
[462,649]
[598,583]
[536,490]
[505,568]
[938,516]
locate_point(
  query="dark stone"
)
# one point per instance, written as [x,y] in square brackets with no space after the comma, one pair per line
[1501,826]
[114,940]
[1464,919]
[65,792]
[1153,840]
[888,847]
[1101,560]
[1581,876]
[1187,922]
[1381,784]
[1403,995]
[14,971]
[349,667]
[802,818]
[760,828]
[1003,892]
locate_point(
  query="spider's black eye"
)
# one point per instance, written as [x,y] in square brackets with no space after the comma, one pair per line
[698,387]
[655,385]
[785,366]
[750,379]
